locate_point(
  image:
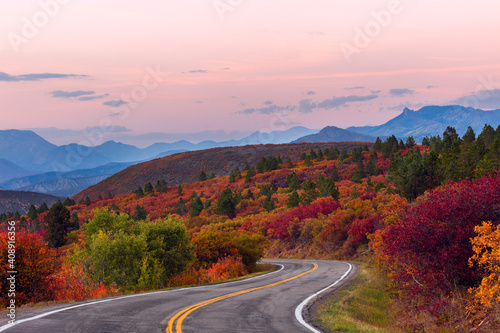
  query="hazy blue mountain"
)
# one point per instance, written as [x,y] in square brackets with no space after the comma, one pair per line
[63,183]
[120,152]
[335,134]
[9,170]
[433,120]
[24,148]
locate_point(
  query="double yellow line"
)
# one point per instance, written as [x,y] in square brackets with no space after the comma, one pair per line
[181,315]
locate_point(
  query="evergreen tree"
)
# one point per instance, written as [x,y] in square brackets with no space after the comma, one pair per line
[161,186]
[293,182]
[202,177]
[179,190]
[487,135]
[359,173]
[249,175]
[87,201]
[293,200]
[310,193]
[249,195]
[449,136]
[139,192]
[212,176]
[378,145]
[73,223]
[308,161]
[148,188]
[181,208]
[57,223]
[32,213]
[196,207]
[335,173]
[42,208]
[226,204]
[68,202]
[232,179]
[269,203]
[469,136]
[343,155]
[140,213]
[426,141]
[410,142]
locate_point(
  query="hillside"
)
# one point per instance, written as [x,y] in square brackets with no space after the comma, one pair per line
[186,167]
[335,134]
[12,201]
[11,170]
[432,120]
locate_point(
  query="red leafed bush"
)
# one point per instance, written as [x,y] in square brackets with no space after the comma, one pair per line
[35,263]
[279,225]
[429,248]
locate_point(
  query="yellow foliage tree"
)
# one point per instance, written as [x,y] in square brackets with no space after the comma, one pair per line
[486,247]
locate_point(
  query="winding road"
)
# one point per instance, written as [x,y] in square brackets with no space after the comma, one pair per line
[273,302]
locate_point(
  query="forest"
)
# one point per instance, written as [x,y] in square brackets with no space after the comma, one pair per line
[425,215]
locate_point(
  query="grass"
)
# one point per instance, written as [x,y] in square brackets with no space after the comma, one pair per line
[363,305]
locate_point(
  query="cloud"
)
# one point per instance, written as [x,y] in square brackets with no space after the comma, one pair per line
[432,87]
[268,110]
[308,106]
[199,102]
[305,106]
[36,77]
[483,99]
[89,98]
[198,71]
[375,91]
[310,93]
[335,102]
[354,88]
[70,94]
[115,103]
[268,102]
[401,92]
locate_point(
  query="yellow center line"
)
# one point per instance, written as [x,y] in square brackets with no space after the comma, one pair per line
[181,315]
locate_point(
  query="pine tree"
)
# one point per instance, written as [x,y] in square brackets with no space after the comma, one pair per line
[148,188]
[226,204]
[293,200]
[196,207]
[469,136]
[32,213]
[293,182]
[57,223]
[73,223]
[269,203]
[140,213]
[202,177]
[181,208]
[42,208]
[249,195]
[179,190]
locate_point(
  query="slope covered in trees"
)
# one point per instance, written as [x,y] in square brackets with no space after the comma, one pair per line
[185,167]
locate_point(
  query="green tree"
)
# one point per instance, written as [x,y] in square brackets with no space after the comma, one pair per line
[310,192]
[42,208]
[202,177]
[196,207]
[181,208]
[74,223]
[148,188]
[469,136]
[32,213]
[226,204]
[57,223]
[139,213]
[269,203]
[293,182]
[293,200]
[179,190]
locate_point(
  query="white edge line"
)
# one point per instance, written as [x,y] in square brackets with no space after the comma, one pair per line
[17,322]
[300,308]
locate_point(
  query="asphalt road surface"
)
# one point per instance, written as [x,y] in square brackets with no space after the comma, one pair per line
[274,302]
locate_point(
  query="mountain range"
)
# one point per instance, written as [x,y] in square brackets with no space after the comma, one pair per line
[432,120]
[29,162]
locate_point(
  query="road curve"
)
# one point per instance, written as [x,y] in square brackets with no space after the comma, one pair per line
[268,303]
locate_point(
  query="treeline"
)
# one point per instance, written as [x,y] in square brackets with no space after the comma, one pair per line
[451,158]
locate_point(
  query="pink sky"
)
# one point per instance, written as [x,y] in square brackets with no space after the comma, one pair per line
[241,65]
